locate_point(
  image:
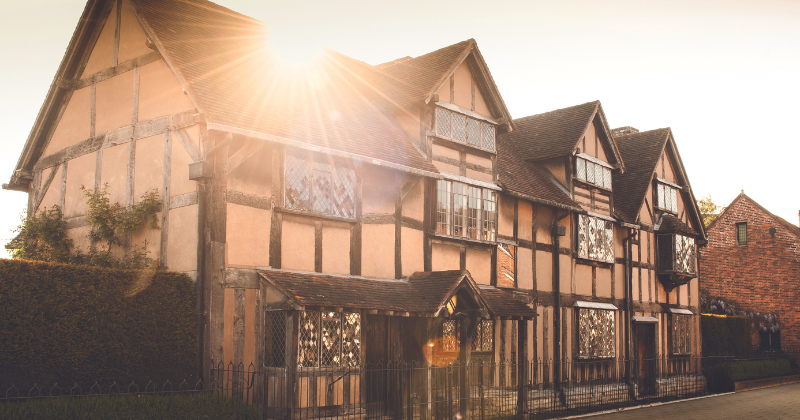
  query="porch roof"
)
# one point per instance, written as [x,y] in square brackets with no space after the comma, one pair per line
[421,294]
[671,224]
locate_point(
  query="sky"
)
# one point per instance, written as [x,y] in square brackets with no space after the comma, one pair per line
[724,75]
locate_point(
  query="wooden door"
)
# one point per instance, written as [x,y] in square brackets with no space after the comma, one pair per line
[646,358]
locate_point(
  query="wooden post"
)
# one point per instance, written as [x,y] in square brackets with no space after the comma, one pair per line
[292,341]
[522,357]
[463,358]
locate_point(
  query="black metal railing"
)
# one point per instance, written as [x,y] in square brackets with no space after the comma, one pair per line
[479,389]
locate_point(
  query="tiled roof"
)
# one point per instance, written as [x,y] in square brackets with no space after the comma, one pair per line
[422,74]
[671,224]
[221,56]
[521,178]
[553,133]
[422,292]
[640,151]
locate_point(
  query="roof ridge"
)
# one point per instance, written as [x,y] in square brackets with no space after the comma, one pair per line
[555,110]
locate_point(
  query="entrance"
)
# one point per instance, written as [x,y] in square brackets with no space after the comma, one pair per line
[646,358]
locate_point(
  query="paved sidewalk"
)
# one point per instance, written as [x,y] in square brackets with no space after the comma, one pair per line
[776,403]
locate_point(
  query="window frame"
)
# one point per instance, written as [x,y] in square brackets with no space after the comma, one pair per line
[593,220]
[657,201]
[470,228]
[605,169]
[482,124]
[335,165]
[580,338]
[738,235]
[319,340]
[672,239]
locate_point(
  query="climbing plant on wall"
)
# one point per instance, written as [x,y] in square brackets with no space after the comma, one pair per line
[43,236]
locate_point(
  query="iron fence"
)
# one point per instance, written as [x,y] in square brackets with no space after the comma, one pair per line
[478,389]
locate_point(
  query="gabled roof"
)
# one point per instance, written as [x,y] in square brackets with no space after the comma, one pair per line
[557,133]
[423,76]
[421,293]
[641,152]
[670,224]
[795,230]
[522,179]
[220,58]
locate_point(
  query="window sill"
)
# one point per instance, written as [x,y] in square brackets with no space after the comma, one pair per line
[314,214]
[464,239]
[589,185]
[466,145]
[596,263]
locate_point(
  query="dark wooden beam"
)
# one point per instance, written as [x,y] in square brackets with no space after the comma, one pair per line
[116,70]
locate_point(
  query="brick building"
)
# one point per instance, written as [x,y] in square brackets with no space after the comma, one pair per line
[753,258]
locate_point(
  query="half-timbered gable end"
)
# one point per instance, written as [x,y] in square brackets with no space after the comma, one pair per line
[352,213]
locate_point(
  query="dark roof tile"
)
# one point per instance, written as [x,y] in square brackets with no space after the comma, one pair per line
[553,133]
[640,151]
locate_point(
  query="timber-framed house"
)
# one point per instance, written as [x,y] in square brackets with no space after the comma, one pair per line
[357,214]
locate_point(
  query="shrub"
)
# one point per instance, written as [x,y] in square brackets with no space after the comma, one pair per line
[722,376]
[65,324]
[130,407]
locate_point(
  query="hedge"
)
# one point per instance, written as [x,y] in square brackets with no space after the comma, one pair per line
[130,407]
[722,376]
[71,324]
[726,335]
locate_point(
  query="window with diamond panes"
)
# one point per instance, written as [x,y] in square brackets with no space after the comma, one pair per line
[667,198]
[275,338]
[595,238]
[681,334]
[472,211]
[329,339]
[483,337]
[596,333]
[463,129]
[592,173]
[450,335]
[684,254]
[317,184]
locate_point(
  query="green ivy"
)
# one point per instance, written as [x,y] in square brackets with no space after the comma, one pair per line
[43,237]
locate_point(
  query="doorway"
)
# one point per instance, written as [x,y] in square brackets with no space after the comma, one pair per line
[646,358]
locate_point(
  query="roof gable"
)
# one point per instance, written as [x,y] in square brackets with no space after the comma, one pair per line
[641,152]
[557,133]
[795,230]
[425,75]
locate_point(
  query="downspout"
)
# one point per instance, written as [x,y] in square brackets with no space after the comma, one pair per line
[628,277]
[556,232]
[199,285]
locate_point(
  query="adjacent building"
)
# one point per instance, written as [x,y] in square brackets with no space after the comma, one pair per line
[753,258]
[354,214]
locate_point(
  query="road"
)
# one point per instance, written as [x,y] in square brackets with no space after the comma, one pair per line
[775,403]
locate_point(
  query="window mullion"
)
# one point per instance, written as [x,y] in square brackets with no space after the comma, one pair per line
[452,209]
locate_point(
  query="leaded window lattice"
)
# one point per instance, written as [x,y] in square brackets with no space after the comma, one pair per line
[681,334]
[463,129]
[466,211]
[275,338]
[595,238]
[315,184]
[593,173]
[329,339]
[483,337]
[685,258]
[597,333]
[443,210]
[667,197]
[450,335]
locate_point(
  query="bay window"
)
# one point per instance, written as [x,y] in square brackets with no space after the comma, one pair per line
[595,238]
[466,211]
[329,339]
[677,253]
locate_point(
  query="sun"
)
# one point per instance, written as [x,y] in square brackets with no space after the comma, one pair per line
[294,51]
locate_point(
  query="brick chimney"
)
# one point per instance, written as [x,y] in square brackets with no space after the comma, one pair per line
[623,131]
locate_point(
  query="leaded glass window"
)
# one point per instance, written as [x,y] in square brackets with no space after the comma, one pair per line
[443,211]
[316,184]
[593,173]
[667,197]
[741,233]
[329,339]
[463,129]
[466,211]
[684,254]
[450,335]
[681,334]
[275,338]
[595,238]
[596,333]
[483,337]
